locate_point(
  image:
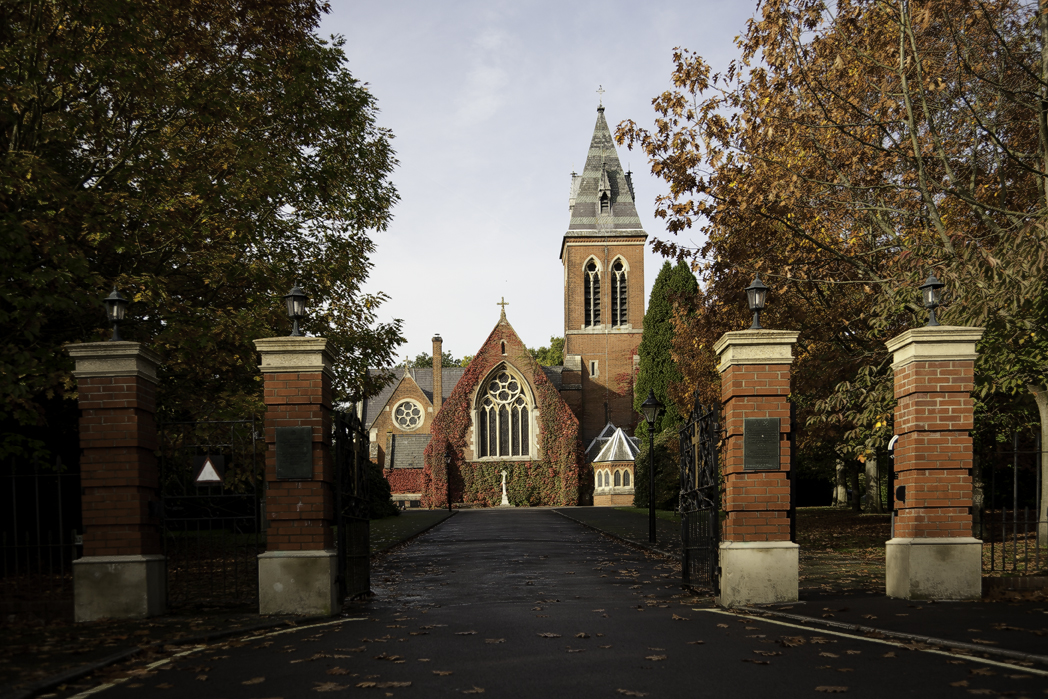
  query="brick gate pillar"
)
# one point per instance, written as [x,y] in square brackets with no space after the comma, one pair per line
[932,554]
[297,573]
[757,559]
[121,574]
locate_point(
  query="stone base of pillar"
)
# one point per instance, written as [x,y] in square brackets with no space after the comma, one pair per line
[947,568]
[298,582]
[119,587]
[758,572]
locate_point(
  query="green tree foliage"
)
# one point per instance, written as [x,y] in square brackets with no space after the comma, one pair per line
[423,360]
[549,356]
[658,369]
[202,157]
[380,495]
[667,471]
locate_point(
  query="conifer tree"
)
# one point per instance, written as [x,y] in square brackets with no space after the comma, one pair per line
[657,368]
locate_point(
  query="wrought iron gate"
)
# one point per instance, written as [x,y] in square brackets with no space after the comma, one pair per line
[352,526]
[212,485]
[700,497]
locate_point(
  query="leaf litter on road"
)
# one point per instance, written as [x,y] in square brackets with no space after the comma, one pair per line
[254,680]
[631,693]
[831,689]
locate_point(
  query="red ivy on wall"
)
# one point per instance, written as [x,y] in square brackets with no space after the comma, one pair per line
[551,480]
[404,480]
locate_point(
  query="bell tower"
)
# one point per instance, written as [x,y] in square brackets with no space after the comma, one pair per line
[603,256]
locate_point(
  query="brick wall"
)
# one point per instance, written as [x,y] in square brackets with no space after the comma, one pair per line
[757,502]
[933,456]
[118,468]
[300,513]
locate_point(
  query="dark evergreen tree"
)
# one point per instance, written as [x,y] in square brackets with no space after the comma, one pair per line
[657,368]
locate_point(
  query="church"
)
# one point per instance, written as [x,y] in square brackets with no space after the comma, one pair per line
[557,435]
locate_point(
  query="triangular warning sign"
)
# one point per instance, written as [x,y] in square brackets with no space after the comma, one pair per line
[210,470]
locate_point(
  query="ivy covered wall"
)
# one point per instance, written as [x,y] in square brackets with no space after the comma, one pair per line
[550,478]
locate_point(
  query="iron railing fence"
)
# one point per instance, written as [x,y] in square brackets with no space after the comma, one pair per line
[1014,542]
[40,525]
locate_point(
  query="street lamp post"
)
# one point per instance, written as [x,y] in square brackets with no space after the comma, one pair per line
[447,475]
[651,407]
[757,296]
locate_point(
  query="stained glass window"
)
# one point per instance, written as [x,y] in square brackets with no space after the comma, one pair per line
[407,414]
[503,418]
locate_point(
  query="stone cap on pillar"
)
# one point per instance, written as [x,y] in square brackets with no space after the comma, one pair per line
[940,343]
[755,347]
[105,359]
[294,355]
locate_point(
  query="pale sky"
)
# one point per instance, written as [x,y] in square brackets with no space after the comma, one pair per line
[492,104]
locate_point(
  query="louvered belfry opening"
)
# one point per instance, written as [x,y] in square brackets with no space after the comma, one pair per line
[618,294]
[503,418]
[592,284]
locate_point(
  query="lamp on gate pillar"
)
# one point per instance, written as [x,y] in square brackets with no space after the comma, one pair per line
[447,475]
[931,294]
[651,407]
[757,296]
[116,308]
[296,308]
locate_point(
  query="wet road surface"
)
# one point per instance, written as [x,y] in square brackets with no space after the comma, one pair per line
[526,603]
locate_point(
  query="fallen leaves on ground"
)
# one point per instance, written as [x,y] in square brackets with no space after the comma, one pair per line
[677,617]
[631,693]
[655,657]
[582,634]
[371,684]
[767,653]
[337,671]
[827,654]
[475,690]
[549,635]
[722,626]
[165,685]
[201,677]
[695,643]
[494,640]
[961,683]
[465,633]
[329,687]
[756,662]
[982,671]
[831,689]
[254,680]
[442,673]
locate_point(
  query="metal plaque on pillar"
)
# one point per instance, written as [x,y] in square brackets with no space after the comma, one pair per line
[760,444]
[294,453]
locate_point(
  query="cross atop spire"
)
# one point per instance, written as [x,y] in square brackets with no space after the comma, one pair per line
[503,303]
[600,91]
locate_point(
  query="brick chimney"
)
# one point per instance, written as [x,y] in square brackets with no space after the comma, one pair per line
[438,396]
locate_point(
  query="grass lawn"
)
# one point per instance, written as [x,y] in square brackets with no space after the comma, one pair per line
[670,515]
[390,531]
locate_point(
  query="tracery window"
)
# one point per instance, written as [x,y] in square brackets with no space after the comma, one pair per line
[618,294]
[592,294]
[408,415]
[618,478]
[600,479]
[626,478]
[503,418]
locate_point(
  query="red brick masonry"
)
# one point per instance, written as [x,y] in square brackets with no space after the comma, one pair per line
[757,502]
[300,513]
[118,467]
[933,457]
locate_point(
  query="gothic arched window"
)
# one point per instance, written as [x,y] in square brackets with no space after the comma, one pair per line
[503,417]
[618,294]
[626,478]
[600,479]
[591,281]
[618,478]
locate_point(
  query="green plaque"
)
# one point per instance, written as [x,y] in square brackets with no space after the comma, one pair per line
[760,444]
[295,453]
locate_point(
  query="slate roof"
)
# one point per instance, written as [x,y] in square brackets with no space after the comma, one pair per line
[423,377]
[555,374]
[618,448]
[612,444]
[406,450]
[603,171]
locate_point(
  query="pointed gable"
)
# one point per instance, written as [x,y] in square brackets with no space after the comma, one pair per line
[618,447]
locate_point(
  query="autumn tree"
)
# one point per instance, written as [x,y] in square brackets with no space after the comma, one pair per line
[423,360]
[850,150]
[202,157]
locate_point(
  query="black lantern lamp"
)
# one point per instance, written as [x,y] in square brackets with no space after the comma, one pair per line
[931,295]
[116,309]
[651,408]
[296,308]
[757,296]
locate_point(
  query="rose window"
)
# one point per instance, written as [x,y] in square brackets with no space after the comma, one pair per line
[407,415]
